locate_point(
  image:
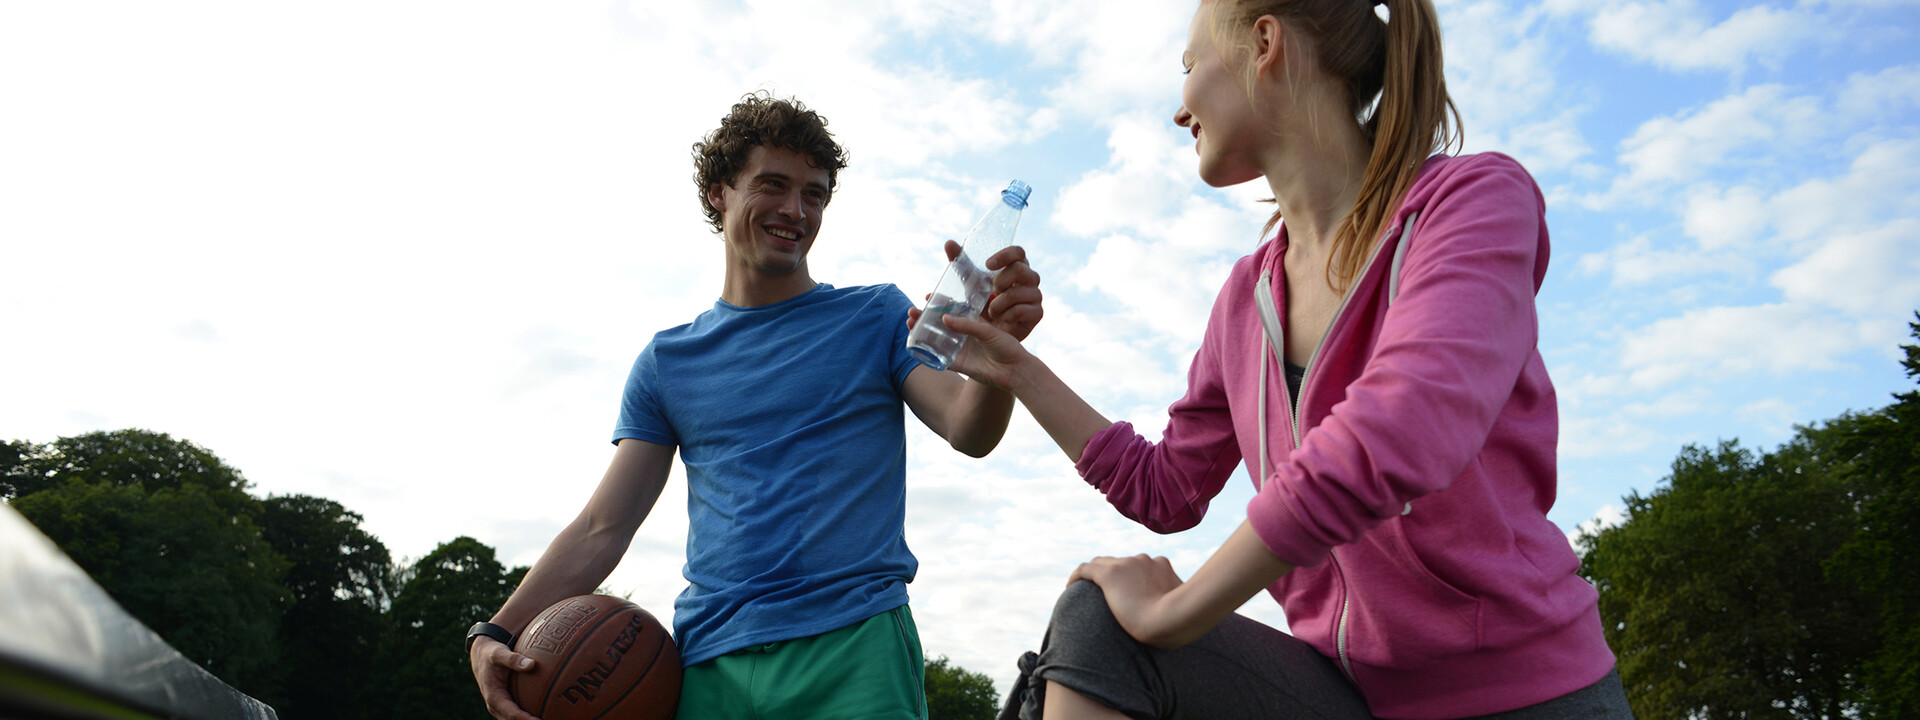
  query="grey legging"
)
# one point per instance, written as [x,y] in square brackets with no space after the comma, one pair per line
[1241,669]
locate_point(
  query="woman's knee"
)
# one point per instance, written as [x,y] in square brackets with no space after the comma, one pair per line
[1081,616]
[1081,601]
[1087,650]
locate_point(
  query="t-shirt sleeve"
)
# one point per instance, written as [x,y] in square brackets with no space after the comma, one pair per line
[893,318]
[641,415]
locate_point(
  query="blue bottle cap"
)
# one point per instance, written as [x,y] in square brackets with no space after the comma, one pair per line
[1016,194]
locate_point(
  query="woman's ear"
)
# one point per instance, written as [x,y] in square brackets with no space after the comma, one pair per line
[1269,45]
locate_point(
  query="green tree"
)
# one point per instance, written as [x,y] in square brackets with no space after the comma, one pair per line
[1714,591]
[1786,585]
[1884,559]
[23,468]
[953,693]
[423,664]
[170,532]
[331,635]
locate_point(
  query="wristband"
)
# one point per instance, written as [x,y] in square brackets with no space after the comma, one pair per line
[490,630]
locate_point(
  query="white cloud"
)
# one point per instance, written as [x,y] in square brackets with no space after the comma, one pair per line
[1765,132]
[1735,218]
[1544,146]
[1864,274]
[1873,3]
[1679,34]
[1673,150]
[1128,57]
[1164,245]
[1881,95]
[1587,436]
[1609,515]
[1142,187]
[1774,416]
[1676,403]
[1720,342]
[1882,183]
[1500,68]
[1639,262]
[1841,252]
[1140,276]
[1876,192]
[1096,58]
[894,108]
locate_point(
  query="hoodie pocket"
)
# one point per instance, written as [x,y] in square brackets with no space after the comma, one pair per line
[1405,605]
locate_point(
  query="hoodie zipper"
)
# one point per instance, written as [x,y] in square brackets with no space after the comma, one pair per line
[1293,408]
[1340,634]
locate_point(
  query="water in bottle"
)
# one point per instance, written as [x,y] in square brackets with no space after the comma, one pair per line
[966,283]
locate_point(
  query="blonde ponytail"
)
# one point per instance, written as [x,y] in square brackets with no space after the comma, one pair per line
[1399,62]
[1414,119]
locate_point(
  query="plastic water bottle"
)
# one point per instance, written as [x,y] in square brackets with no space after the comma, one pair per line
[966,283]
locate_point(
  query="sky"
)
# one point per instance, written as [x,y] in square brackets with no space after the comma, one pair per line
[401,254]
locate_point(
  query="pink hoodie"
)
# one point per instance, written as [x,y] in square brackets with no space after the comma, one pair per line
[1414,494]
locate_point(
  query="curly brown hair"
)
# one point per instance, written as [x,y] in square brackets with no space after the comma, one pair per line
[760,119]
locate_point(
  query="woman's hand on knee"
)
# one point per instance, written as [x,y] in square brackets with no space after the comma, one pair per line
[1137,589]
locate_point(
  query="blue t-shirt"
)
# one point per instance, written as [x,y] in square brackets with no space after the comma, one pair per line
[789,420]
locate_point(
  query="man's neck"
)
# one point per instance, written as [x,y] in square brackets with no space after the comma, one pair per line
[745,288]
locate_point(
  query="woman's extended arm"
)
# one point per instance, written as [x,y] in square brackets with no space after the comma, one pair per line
[996,358]
[1146,596]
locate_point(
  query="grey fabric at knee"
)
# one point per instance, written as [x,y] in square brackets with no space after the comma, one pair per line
[1240,669]
[1603,700]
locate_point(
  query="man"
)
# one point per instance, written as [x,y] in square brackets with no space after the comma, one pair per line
[785,402]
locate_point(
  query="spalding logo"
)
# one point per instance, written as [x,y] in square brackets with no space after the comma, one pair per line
[554,633]
[585,686]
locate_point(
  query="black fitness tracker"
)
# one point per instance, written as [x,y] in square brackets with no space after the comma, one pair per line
[490,630]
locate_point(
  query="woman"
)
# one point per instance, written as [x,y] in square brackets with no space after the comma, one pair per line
[1375,364]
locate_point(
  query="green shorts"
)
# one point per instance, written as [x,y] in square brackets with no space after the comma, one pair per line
[872,669]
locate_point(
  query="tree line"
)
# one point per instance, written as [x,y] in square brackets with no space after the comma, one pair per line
[287,598]
[1774,584]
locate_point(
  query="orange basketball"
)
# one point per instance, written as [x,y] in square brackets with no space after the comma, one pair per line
[598,656]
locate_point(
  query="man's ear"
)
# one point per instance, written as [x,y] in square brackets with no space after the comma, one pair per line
[716,198]
[1269,44]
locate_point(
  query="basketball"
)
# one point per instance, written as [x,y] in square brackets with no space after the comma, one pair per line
[598,656]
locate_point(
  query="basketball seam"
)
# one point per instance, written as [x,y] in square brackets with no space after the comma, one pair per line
[546,697]
[652,661]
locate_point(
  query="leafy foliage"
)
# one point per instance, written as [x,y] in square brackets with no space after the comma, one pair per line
[331,634]
[288,599]
[1719,605]
[1784,584]
[423,663]
[170,532]
[953,693]
[1884,559]
[23,468]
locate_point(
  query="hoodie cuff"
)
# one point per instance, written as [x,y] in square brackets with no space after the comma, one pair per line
[1094,465]
[1275,521]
